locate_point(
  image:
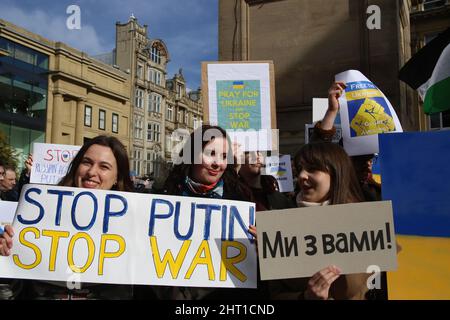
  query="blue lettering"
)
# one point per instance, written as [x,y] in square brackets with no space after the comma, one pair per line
[223,234]
[208,210]
[94,215]
[153,216]
[109,213]
[235,215]
[41,209]
[176,223]
[61,194]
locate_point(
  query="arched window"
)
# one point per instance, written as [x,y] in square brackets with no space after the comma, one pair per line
[155,55]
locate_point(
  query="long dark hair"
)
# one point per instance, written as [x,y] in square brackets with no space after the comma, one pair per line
[232,185]
[120,153]
[332,159]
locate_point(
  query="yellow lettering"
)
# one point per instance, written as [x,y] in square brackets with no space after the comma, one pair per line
[91,252]
[174,265]
[198,259]
[34,247]
[113,237]
[240,124]
[227,264]
[55,235]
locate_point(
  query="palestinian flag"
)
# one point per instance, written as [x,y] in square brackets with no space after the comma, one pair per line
[428,71]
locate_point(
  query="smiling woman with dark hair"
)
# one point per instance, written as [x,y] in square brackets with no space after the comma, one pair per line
[102,163]
[207,170]
[326,177]
[113,168]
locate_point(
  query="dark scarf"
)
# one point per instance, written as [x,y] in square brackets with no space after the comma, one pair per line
[191,188]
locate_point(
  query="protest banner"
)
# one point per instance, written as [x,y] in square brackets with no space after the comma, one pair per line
[51,162]
[130,238]
[415,177]
[297,243]
[280,168]
[7,212]
[240,97]
[365,112]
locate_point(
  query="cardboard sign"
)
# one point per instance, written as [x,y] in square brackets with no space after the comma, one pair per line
[297,243]
[7,212]
[51,162]
[280,168]
[365,112]
[130,238]
[240,98]
[415,177]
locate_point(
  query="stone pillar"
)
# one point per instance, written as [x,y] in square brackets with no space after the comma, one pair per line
[79,123]
[244,31]
[57,117]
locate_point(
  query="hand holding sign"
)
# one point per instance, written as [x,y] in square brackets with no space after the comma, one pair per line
[6,241]
[29,164]
[320,283]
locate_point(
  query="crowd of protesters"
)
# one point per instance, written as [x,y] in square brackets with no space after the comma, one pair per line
[325,175]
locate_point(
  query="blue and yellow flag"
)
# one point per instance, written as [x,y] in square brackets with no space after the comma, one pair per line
[416,177]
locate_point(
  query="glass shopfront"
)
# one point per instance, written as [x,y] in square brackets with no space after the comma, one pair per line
[23,95]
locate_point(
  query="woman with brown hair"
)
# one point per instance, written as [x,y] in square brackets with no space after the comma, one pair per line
[207,170]
[325,177]
[101,163]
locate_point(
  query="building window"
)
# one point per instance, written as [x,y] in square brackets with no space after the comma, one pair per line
[439,120]
[138,127]
[158,78]
[154,103]
[179,115]
[155,55]
[101,119]
[151,159]
[139,98]
[115,123]
[179,91]
[157,102]
[150,74]
[140,71]
[169,112]
[186,117]
[195,121]
[168,141]
[153,132]
[137,154]
[88,116]
[154,76]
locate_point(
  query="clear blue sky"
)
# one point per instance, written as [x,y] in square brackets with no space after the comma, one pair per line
[188,27]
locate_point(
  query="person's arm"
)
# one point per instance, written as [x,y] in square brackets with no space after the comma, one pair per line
[324,130]
[351,287]
[25,174]
[334,94]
